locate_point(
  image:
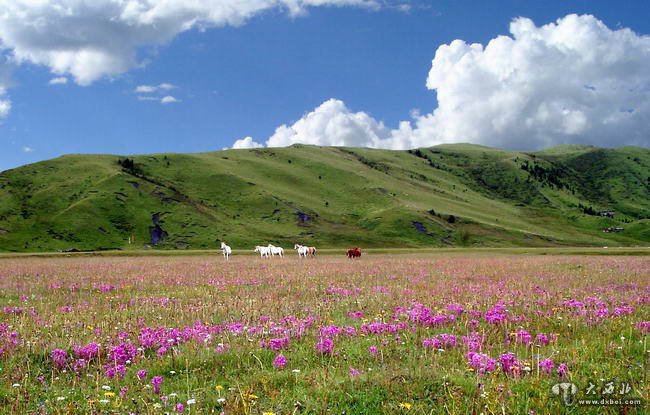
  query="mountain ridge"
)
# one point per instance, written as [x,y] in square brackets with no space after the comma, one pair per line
[460,194]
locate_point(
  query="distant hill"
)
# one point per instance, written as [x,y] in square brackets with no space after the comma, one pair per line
[462,194]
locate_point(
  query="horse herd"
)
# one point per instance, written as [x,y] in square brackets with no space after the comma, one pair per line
[272,250]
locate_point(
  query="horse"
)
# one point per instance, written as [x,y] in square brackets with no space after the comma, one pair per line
[302,250]
[226,250]
[276,250]
[264,251]
[354,253]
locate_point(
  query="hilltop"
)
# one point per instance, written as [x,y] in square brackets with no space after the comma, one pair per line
[447,195]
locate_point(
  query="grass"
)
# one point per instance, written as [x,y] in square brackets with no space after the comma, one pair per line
[224,312]
[329,197]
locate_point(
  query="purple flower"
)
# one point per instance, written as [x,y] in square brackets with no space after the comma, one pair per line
[354,372]
[324,345]
[280,361]
[87,352]
[59,357]
[643,326]
[497,314]
[115,371]
[180,407]
[562,370]
[480,362]
[141,374]
[373,350]
[276,344]
[524,337]
[547,365]
[156,381]
[510,364]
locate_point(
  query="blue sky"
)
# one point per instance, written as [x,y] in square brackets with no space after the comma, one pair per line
[272,69]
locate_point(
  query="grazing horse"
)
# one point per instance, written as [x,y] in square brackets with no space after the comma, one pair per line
[264,251]
[302,250]
[276,250]
[354,253]
[226,250]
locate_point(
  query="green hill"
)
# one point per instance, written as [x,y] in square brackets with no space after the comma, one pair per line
[330,197]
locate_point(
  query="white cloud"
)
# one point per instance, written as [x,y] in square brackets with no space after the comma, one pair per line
[331,124]
[28,149]
[150,89]
[102,38]
[62,80]
[168,100]
[5,105]
[572,81]
[246,142]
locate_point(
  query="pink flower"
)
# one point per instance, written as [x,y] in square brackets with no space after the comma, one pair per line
[325,345]
[156,381]
[280,362]
[180,407]
[59,357]
[510,364]
[643,326]
[141,374]
[547,365]
[354,372]
[562,370]
[373,350]
[480,362]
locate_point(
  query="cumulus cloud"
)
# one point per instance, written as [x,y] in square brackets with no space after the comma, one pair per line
[246,142]
[571,81]
[93,39]
[61,80]
[28,149]
[331,124]
[169,100]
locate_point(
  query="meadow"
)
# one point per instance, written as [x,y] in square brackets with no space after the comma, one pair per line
[401,334]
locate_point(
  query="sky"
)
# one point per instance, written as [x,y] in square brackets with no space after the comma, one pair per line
[151,76]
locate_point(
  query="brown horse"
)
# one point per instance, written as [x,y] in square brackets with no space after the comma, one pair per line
[311,250]
[354,253]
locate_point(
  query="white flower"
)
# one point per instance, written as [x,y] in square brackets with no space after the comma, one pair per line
[191,401]
[296,370]
[16,385]
[60,398]
[106,387]
[104,401]
[221,400]
[172,372]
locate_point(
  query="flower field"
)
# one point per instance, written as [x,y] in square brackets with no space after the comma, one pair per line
[411,334]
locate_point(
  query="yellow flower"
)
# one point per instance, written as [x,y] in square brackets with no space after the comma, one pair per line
[251,396]
[268,413]
[405,405]
[109,394]
[219,387]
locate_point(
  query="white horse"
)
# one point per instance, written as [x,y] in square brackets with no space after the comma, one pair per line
[302,250]
[276,250]
[264,251]
[226,250]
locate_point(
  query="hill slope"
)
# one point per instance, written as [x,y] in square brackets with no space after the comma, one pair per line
[326,196]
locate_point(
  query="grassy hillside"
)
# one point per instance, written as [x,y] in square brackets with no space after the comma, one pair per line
[331,197]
